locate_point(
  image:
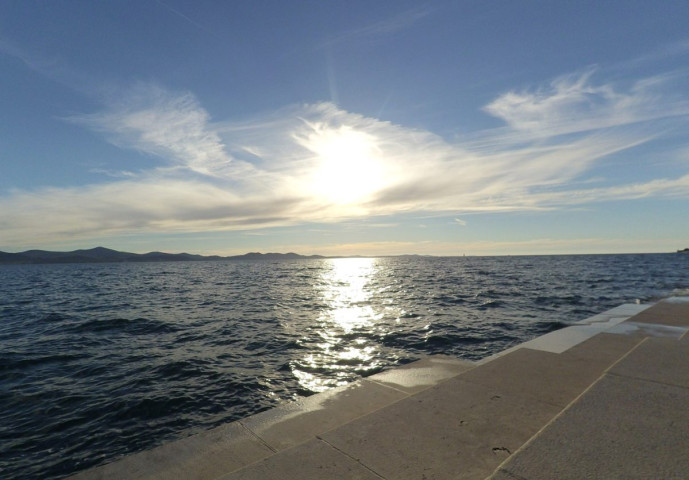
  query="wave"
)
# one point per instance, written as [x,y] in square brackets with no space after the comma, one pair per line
[91,371]
[135,326]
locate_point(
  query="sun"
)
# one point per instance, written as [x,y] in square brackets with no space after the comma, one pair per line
[348,167]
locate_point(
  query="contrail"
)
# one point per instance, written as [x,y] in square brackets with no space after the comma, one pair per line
[180,14]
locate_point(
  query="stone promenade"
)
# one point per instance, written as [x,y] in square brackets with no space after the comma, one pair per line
[607,398]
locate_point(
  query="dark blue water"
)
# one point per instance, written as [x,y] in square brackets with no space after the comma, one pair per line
[101,360]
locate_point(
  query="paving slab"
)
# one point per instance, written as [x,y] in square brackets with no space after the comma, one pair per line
[622,427]
[314,460]
[677,299]
[565,338]
[199,457]
[296,422]
[422,374]
[456,430]
[604,349]
[672,312]
[648,330]
[549,377]
[657,359]
[625,310]
[562,340]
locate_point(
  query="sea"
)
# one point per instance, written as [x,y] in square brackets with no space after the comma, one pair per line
[98,361]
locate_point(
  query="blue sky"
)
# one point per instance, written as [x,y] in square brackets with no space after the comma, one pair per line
[357,127]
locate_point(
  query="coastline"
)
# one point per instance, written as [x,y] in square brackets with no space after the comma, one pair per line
[107,255]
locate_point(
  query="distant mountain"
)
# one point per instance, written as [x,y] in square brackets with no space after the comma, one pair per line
[98,254]
[271,256]
[106,255]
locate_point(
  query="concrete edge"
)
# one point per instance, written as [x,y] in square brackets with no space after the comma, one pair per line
[562,340]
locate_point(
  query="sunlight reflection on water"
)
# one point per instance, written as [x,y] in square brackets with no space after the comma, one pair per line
[346,290]
[103,360]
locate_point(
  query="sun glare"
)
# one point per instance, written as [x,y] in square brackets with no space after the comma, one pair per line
[349,167]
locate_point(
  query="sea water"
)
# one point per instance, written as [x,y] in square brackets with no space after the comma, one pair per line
[103,360]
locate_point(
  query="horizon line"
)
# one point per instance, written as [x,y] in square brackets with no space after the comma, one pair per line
[363,255]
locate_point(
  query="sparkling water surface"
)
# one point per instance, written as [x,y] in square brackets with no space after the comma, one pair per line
[102,360]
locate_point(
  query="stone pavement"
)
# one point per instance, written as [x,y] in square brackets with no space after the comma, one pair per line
[605,398]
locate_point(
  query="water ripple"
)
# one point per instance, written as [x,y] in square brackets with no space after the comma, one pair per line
[99,361]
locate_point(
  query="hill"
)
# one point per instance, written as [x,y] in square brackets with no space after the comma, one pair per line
[106,255]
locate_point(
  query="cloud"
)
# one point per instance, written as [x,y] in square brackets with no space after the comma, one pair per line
[113,174]
[189,20]
[394,23]
[53,66]
[172,126]
[662,187]
[670,50]
[385,27]
[536,246]
[307,164]
[574,104]
[144,205]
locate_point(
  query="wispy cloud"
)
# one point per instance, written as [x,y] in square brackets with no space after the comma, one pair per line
[670,50]
[574,104]
[661,187]
[536,246]
[189,20]
[172,126]
[32,61]
[113,173]
[319,163]
[388,26]
[395,23]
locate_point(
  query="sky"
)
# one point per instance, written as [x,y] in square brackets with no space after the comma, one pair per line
[345,127]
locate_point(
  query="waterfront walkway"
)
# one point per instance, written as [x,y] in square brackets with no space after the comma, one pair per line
[605,398]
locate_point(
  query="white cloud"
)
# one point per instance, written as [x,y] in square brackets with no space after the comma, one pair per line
[573,103]
[172,126]
[662,187]
[319,163]
[151,205]
[113,174]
